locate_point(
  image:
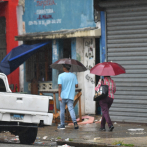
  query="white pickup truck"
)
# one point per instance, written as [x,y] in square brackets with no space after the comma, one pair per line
[22,114]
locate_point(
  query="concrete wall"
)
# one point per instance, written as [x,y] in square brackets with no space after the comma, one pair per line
[53,15]
[89,79]
[20,32]
[80,75]
[85,79]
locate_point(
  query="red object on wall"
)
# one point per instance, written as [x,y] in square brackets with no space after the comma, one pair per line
[8,9]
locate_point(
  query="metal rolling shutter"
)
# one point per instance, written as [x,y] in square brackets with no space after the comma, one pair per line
[127,45]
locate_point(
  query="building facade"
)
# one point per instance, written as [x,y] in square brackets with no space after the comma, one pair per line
[8,31]
[74,31]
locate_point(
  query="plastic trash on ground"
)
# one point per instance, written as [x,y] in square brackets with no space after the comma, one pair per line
[97,138]
[137,129]
[45,137]
[64,145]
[67,139]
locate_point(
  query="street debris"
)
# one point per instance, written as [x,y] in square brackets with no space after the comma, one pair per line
[67,139]
[37,137]
[98,120]
[64,145]
[45,137]
[53,144]
[97,138]
[15,139]
[38,143]
[137,129]
[53,139]
[86,120]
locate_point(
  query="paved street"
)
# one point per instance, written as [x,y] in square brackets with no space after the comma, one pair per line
[85,134]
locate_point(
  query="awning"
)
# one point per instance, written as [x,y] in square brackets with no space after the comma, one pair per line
[17,56]
[84,32]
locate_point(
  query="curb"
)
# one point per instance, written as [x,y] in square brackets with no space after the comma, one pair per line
[79,144]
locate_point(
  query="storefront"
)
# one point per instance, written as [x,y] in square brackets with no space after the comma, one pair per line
[72,35]
[126,44]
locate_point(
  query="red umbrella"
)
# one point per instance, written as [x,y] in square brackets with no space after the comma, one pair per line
[107,69]
[76,66]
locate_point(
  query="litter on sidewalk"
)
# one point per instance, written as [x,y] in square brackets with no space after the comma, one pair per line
[97,138]
[37,137]
[45,137]
[38,143]
[15,139]
[65,145]
[98,120]
[67,139]
[86,120]
[137,129]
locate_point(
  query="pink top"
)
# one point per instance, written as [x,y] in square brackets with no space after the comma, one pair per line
[112,87]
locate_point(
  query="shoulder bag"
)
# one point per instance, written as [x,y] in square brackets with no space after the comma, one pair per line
[101,93]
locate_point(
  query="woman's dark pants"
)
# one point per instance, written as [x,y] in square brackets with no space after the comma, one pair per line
[105,105]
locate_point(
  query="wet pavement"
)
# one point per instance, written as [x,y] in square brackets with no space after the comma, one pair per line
[47,136]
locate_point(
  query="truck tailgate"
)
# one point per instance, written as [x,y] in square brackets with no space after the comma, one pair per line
[24,102]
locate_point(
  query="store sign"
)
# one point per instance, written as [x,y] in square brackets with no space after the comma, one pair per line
[44,15]
[52,15]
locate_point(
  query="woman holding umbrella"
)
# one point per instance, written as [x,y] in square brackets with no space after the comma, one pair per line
[107,69]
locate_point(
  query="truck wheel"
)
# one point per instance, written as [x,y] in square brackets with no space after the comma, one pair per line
[29,136]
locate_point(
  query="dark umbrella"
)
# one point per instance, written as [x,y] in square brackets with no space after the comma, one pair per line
[76,66]
[107,69]
[17,56]
[5,68]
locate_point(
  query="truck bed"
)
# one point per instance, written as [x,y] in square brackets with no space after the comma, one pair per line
[24,102]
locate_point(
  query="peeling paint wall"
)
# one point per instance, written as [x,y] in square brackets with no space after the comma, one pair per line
[20,32]
[85,53]
[80,75]
[53,15]
[89,79]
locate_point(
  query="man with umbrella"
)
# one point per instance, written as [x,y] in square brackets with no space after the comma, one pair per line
[67,82]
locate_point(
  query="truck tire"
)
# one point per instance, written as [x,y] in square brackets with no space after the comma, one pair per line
[29,136]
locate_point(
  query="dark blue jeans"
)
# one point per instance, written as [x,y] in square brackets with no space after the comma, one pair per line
[105,106]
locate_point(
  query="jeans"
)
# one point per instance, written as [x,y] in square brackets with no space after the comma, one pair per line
[105,106]
[70,109]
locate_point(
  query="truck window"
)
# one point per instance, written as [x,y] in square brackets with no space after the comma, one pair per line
[2,86]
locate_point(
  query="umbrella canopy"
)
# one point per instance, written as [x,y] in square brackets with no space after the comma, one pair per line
[107,69]
[76,66]
[17,56]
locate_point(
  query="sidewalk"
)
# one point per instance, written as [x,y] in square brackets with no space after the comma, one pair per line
[49,135]
[86,134]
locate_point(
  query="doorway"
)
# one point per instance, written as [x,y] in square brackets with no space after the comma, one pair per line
[2,38]
[97,60]
[67,48]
